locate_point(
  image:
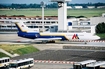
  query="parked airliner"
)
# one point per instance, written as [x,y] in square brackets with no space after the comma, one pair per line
[24,31]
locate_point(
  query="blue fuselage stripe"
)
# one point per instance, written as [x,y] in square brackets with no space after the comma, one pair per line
[37,35]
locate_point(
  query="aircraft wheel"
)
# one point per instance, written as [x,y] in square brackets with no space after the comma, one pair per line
[52,41]
[44,42]
[85,42]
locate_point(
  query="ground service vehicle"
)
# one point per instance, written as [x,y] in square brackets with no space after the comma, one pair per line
[21,64]
[96,65]
[82,64]
[4,62]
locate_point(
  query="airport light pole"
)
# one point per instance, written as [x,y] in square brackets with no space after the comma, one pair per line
[42,5]
[0,25]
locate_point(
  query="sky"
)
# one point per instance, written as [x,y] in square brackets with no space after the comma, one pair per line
[46,1]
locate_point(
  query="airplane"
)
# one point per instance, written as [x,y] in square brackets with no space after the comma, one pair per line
[25,32]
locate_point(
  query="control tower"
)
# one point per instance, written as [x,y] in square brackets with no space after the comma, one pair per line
[62,14]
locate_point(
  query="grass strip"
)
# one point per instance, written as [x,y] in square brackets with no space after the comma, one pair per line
[3,55]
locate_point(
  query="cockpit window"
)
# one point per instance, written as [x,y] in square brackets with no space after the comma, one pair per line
[47,29]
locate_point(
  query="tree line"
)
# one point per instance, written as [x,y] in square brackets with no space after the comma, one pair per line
[52,5]
[100,28]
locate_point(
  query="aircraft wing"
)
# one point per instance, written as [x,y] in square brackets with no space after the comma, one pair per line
[47,39]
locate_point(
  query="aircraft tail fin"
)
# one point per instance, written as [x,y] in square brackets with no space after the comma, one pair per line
[23,28]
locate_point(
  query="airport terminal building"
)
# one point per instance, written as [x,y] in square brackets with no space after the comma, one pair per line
[74,24]
[7,23]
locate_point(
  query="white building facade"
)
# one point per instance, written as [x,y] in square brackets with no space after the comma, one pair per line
[73,24]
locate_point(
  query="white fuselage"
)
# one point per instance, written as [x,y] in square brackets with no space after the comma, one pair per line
[72,36]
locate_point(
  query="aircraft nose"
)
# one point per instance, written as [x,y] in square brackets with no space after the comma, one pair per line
[97,37]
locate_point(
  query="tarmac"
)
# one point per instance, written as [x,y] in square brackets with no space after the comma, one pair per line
[56,52]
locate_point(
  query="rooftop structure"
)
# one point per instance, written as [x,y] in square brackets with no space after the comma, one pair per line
[103,15]
[21,60]
[4,58]
[85,62]
[97,20]
[102,66]
[78,7]
[90,7]
[60,0]
[96,64]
